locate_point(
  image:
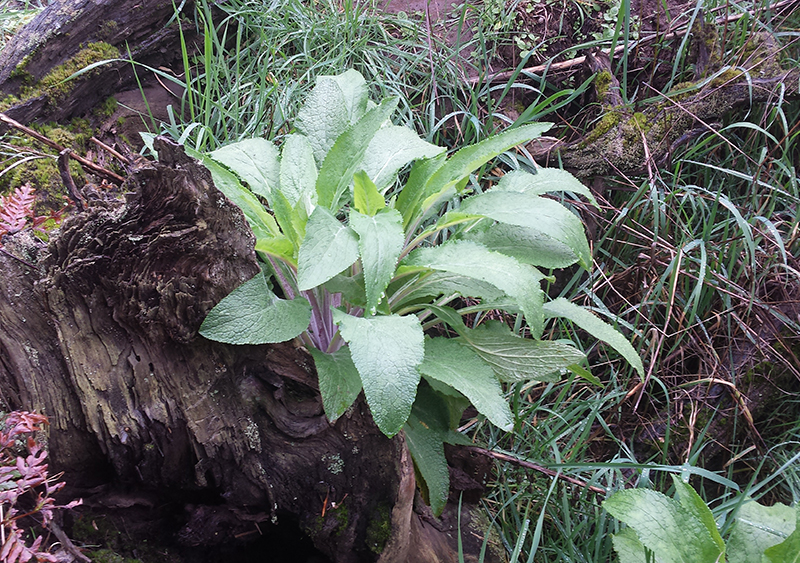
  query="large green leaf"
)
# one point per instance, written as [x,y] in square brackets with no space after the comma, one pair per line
[413,193]
[664,527]
[328,248]
[519,281]
[426,431]
[454,363]
[433,284]
[262,223]
[587,321]
[629,549]
[345,156]
[252,314]
[366,197]
[692,504]
[392,148]
[386,351]
[380,241]
[298,172]
[788,551]
[356,93]
[529,246]
[324,116]
[520,359]
[545,180]
[254,160]
[538,214]
[470,158]
[339,382]
[756,528]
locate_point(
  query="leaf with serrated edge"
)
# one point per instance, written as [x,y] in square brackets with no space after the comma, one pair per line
[254,160]
[520,359]
[323,117]
[392,148]
[539,214]
[386,351]
[344,158]
[327,249]
[252,314]
[529,246]
[692,504]
[298,172]
[757,527]
[663,526]
[366,198]
[546,180]
[339,382]
[426,431]
[602,331]
[451,362]
[519,281]
[380,241]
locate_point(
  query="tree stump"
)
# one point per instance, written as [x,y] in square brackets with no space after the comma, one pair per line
[100,334]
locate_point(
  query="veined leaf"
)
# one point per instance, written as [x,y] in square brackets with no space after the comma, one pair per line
[602,331]
[408,202]
[386,351]
[454,363]
[298,172]
[262,223]
[546,180]
[356,93]
[529,246]
[520,359]
[254,160]
[545,216]
[788,551]
[692,504]
[366,198]
[339,382]
[392,148]
[324,116]
[289,219]
[519,281]
[436,283]
[328,248]
[252,314]
[664,527]
[426,431]
[757,527]
[380,241]
[279,247]
[346,154]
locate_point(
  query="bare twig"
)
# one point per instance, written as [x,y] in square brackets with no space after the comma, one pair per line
[66,178]
[111,151]
[528,465]
[99,170]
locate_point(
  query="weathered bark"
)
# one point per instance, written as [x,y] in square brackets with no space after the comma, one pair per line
[145,30]
[99,332]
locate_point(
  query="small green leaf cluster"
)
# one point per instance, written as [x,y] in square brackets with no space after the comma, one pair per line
[367,264]
[682,529]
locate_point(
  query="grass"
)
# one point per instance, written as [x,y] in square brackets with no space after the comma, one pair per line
[696,260]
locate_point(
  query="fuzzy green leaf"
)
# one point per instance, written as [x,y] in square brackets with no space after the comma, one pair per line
[436,283]
[628,547]
[328,248]
[386,351]
[426,431]
[380,241]
[692,504]
[520,359]
[457,365]
[255,161]
[392,148]
[756,528]
[546,180]
[324,116]
[538,214]
[664,527]
[298,171]
[788,551]
[519,281]
[602,331]
[346,154]
[339,382]
[366,198]
[252,314]
[529,246]
[262,223]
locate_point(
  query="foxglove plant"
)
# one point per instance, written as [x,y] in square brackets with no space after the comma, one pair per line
[367,265]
